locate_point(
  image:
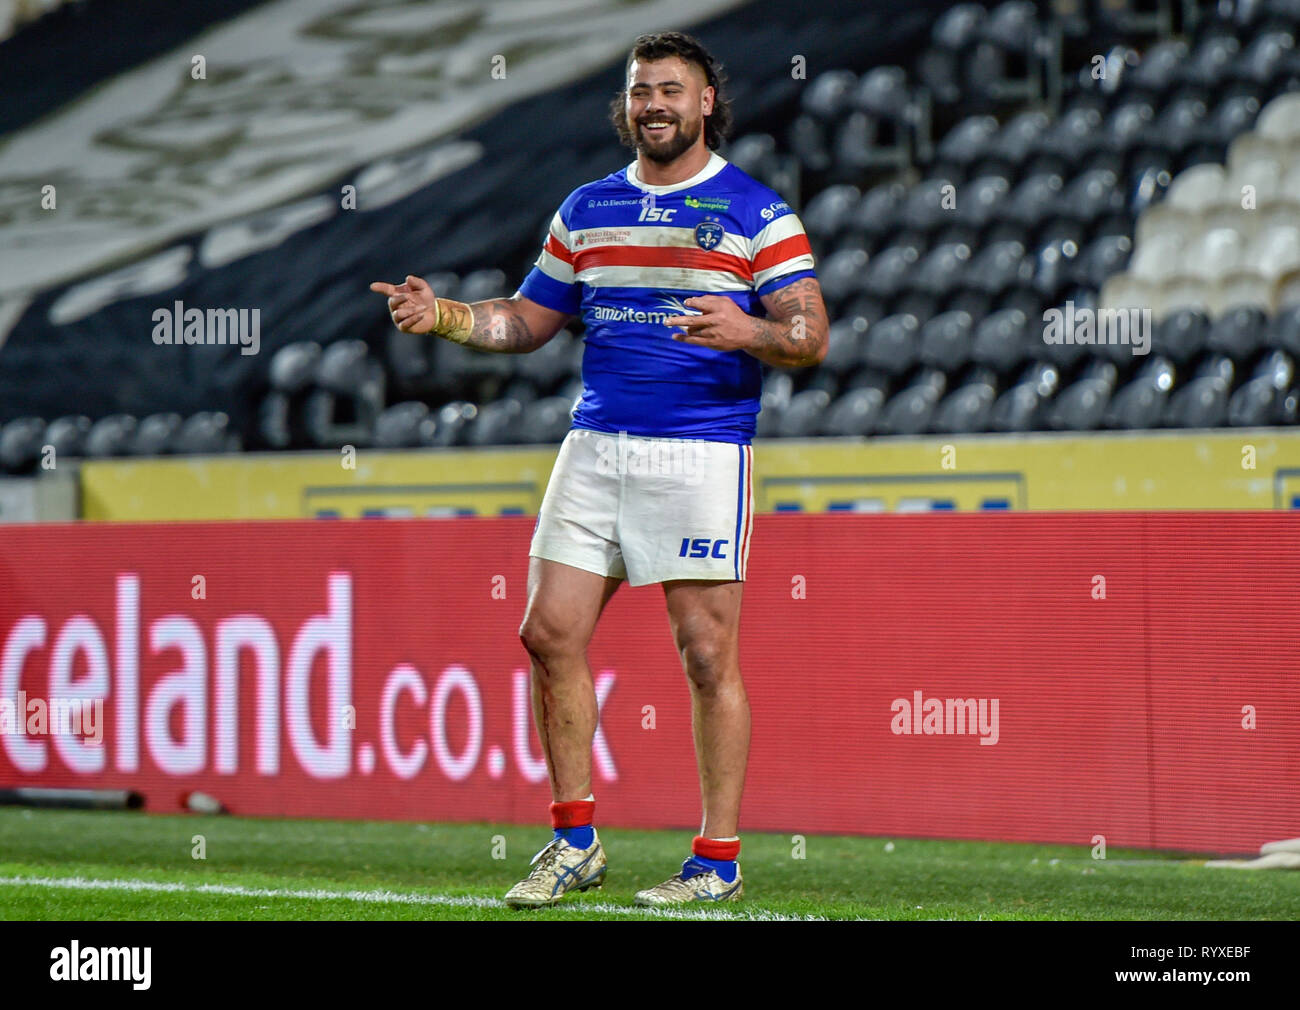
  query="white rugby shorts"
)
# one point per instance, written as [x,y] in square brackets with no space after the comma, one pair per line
[648,509]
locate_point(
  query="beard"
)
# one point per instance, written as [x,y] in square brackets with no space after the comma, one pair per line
[665,151]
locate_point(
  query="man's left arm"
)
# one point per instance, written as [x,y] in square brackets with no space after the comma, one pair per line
[795,334]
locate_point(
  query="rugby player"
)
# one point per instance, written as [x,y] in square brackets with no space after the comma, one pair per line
[689,276]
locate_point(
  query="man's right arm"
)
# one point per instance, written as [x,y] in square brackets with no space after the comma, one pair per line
[513,325]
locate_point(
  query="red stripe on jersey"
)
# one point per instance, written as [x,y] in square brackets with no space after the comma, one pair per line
[553,247]
[661,256]
[779,252]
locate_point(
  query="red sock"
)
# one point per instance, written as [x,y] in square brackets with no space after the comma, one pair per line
[572,813]
[711,848]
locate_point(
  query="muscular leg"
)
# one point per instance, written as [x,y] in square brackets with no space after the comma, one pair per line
[564,604]
[705,618]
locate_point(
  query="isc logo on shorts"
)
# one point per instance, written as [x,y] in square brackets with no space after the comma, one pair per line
[702,547]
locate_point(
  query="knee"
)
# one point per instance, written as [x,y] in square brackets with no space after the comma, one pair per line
[708,661]
[546,640]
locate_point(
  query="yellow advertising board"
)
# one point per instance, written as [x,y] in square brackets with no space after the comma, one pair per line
[1225,469]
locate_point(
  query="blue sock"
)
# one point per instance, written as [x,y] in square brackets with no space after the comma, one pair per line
[726,868]
[582,837]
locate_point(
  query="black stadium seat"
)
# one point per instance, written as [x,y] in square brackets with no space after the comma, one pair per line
[111,436]
[1202,403]
[892,344]
[206,432]
[482,285]
[546,420]
[1002,340]
[910,410]
[1081,406]
[855,412]
[1177,124]
[1018,138]
[998,267]
[1140,403]
[68,435]
[552,363]
[1034,200]
[946,341]
[498,423]
[877,212]
[1106,255]
[1123,128]
[883,92]
[21,441]
[890,270]
[844,273]
[828,94]
[1020,408]
[807,139]
[1284,330]
[1269,397]
[968,142]
[755,154]
[294,366]
[1181,335]
[1208,63]
[953,35]
[404,425]
[1158,70]
[845,345]
[1267,57]
[803,416]
[1073,136]
[348,397]
[979,200]
[1227,120]
[941,269]
[1092,195]
[830,211]
[156,434]
[1002,65]
[968,407]
[1239,333]
[928,205]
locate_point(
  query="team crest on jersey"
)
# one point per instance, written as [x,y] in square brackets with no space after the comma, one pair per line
[708,234]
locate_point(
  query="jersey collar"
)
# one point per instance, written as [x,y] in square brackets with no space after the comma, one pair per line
[712,167]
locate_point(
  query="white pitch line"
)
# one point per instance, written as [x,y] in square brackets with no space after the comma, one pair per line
[386,898]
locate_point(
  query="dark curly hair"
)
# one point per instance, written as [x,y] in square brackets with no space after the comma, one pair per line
[663,45]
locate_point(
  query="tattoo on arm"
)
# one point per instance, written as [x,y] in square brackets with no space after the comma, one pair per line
[797,334]
[499,327]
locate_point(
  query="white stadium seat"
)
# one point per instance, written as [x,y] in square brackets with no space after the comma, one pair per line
[1280,120]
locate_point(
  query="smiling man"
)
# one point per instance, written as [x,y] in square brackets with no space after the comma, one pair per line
[689,275]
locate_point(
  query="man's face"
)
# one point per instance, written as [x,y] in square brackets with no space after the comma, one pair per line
[672,92]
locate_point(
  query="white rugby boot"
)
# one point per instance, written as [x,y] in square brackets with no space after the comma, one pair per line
[558,869]
[695,882]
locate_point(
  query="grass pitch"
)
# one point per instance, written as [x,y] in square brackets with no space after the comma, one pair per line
[74,865]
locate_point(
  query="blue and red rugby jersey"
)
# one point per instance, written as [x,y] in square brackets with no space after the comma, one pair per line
[625,255]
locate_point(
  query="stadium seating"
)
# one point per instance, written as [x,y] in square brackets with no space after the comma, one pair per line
[1086,158]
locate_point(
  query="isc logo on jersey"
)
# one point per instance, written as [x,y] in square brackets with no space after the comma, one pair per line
[649,212]
[702,547]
